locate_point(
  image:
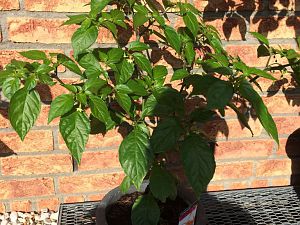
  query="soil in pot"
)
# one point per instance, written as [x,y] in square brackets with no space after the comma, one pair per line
[120,211]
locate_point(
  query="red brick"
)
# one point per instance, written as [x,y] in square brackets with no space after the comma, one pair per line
[111,139]
[25,29]
[4,121]
[2,208]
[73,199]
[99,160]
[244,149]
[225,6]
[9,5]
[97,197]
[11,189]
[215,187]
[283,104]
[287,125]
[89,183]
[220,128]
[239,185]
[236,170]
[274,167]
[50,203]
[43,117]
[276,27]
[280,181]
[35,141]
[57,5]
[21,206]
[259,183]
[33,165]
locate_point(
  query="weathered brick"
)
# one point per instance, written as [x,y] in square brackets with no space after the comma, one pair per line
[215,187]
[97,197]
[99,160]
[33,165]
[42,120]
[35,141]
[9,5]
[284,5]
[220,128]
[49,203]
[73,199]
[244,149]
[287,125]
[225,6]
[280,181]
[41,30]
[283,104]
[111,139]
[239,185]
[21,206]
[276,27]
[11,189]
[275,167]
[259,183]
[2,208]
[235,170]
[57,5]
[89,183]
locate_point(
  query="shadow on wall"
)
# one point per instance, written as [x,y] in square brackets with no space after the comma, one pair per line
[293,152]
[237,14]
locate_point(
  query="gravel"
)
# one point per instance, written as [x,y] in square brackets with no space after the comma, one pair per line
[45,217]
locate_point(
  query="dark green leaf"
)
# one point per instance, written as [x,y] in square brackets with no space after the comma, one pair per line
[162,184]
[180,74]
[261,38]
[69,63]
[219,94]
[165,135]
[46,79]
[97,6]
[100,111]
[189,52]
[124,101]
[137,87]
[137,46]
[191,22]
[141,9]
[4,74]
[142,62]
[60,106]
[94,85]
[126,70]
[111,27]
[76,19]
[261,73]
[202,115]
[173,38]
[136,156]
[145,211]
[262,51]
[34,55]
[24,108]
[115,55]
[125,185]
[89,60]
[75,129]
[82,39]
[247,91]
[82,98]
[10,86]
[198,162]
[139,19]
[159,74]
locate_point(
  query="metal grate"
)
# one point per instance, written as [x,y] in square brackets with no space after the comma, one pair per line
[265,206]
[78,213]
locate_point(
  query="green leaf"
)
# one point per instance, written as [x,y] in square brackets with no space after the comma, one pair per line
[75,129]
[191,22]
[126,70]
[89,60]
[198,162]
[111,27]
[97,6]
[261,38]
[219,94]
[189,52]
[165,135]
[202,115]
[173,38]
[94,85]
[137,87]
[125,185]
[247,91]
[30,83]
[159,74]
[162,184]
[10,86]
[261,73]
[142,62]
[69,63]
[180,74]
[76,19]
[44,69]
[124,101]
[100,111]
[24,108]
[136,156]
[115,55]
[60,106]
[145,211]
[137,46]
[82,39]
[139,19]
[141,9]
[34,55]
[46,79]
[4,74]
[262,50]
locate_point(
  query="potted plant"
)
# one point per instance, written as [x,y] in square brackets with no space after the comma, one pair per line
[126,86]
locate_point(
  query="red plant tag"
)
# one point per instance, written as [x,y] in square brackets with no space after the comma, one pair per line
[188,216]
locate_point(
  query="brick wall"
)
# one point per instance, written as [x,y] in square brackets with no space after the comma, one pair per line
[38,172]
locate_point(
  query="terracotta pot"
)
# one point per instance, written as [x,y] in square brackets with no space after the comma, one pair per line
[114,195]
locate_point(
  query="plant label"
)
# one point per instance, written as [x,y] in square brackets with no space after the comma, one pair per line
[188,216]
